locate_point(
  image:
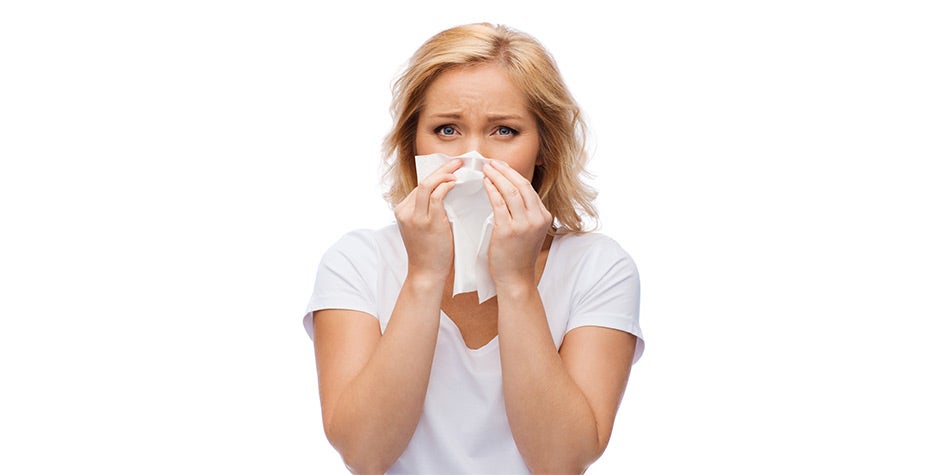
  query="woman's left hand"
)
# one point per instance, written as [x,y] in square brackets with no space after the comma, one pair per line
[521,224]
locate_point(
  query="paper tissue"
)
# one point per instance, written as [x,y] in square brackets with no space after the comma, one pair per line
[470,213]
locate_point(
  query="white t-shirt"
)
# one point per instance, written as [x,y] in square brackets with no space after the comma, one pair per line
[588,280]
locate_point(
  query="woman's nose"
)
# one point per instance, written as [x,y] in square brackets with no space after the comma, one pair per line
[472,143]
[477,144]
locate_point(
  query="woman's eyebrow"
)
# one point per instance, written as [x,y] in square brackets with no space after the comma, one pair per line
[448,115]
[504,117]
[491,118]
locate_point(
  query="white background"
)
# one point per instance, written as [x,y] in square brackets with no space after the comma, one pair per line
[173,171]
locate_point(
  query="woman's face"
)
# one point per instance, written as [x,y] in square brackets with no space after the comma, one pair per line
[478,108]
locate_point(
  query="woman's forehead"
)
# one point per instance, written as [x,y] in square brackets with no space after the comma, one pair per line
[484,89]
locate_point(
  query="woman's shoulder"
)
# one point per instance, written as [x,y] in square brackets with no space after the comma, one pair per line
[383,243]
[591,252]
[368,237]
[589,243]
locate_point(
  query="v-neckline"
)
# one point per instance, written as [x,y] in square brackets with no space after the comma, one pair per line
[458,328]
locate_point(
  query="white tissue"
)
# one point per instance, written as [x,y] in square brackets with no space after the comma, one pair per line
[470,213]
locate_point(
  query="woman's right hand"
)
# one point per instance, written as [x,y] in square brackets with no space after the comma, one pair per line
[424,225]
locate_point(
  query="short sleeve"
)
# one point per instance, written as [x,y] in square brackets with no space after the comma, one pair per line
[608,292]
[346,277]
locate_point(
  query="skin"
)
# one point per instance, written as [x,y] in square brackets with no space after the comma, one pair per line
[561,404]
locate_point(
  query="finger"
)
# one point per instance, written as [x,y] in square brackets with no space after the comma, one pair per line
[519,180]
[450,166]
[508,190]
[427,187]
[409,201]
[498,205]
[440,174]
[437,200]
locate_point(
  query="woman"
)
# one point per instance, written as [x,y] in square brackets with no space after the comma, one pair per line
[414,379]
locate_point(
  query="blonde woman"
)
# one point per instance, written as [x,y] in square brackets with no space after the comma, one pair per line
[414,379]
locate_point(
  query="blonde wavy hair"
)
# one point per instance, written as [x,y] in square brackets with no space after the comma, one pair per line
[563,133]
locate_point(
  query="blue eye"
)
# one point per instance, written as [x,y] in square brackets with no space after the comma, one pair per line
[445,130]
[507,131]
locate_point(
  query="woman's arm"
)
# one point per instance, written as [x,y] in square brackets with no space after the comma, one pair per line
[561,407]
[372,385]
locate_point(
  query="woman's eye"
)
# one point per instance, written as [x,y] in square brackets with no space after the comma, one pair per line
[506,131]
[445,130]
